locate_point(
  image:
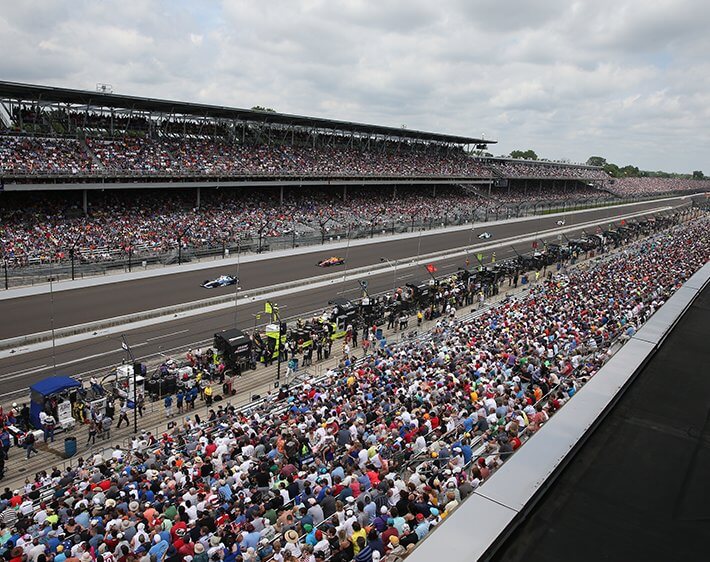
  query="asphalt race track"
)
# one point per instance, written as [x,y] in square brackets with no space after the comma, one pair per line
[30,314]
[98,355]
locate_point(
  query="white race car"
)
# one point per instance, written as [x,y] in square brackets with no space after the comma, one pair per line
[221,281]
[561,222]
[485,235]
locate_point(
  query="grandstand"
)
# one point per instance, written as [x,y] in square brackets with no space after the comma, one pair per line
[133,176]
[76,137]
[291,177]
[363,458]
[378,451]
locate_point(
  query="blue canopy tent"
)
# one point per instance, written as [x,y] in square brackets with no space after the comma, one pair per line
[44,389]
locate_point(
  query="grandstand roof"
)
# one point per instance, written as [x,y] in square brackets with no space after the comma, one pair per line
[50,94]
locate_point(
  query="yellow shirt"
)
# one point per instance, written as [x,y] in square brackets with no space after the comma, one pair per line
[353,539]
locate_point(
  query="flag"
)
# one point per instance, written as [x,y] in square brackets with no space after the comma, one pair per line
[124,346]
[431,268]
[534,244]
[480,257]
[271,308]
[623,222]
[493,257]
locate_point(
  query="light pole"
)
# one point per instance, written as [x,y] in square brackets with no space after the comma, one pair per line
[130,254]
[273,309]
[71,253]
[468,248]
[227,235]
[179,241]
[127,348]
[236,285]
[347,252]
[4,264]
[262,228]
[51,315]
[394,275]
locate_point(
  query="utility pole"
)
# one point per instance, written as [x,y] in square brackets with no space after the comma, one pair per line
[72,250]
[394,275]
[179,241]
[273,309]
[127,348]
[236,285]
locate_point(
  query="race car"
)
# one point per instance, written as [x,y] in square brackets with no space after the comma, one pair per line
[221,281]
[485,235]
[561,222]
[333,260]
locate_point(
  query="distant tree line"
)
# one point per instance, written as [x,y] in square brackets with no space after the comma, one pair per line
[629,171]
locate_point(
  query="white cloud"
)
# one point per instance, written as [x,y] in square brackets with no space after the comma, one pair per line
[627,79]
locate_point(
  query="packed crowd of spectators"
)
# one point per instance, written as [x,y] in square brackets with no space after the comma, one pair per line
[541,169]
[204,156]
[30,155]
[536,193]
[45,227]
[363,464]
[131,155]
[626,187]
[42,228]
[140,155]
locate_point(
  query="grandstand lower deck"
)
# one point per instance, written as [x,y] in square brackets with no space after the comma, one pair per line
[638,488]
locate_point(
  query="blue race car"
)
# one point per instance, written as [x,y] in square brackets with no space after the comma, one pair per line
[221,281]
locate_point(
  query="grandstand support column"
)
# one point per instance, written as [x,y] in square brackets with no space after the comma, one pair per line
[394,191]
[281,195]
[490,184]
[433,193]
[345,194]
[199,197]
[85,202]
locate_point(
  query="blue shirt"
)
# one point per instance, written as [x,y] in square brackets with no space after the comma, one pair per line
[159,550]
[251,540]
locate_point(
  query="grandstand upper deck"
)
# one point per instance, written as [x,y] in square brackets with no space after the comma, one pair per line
[63,111]
[79,137]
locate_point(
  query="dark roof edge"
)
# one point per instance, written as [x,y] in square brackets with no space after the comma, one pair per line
[32,92]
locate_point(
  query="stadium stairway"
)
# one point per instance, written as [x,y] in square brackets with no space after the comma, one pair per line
[90,153]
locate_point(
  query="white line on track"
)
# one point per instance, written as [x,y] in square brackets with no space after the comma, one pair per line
[354,290]
[167,335]
[23,371]
[406,276]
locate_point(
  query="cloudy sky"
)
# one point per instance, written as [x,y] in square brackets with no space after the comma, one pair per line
[624,79]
